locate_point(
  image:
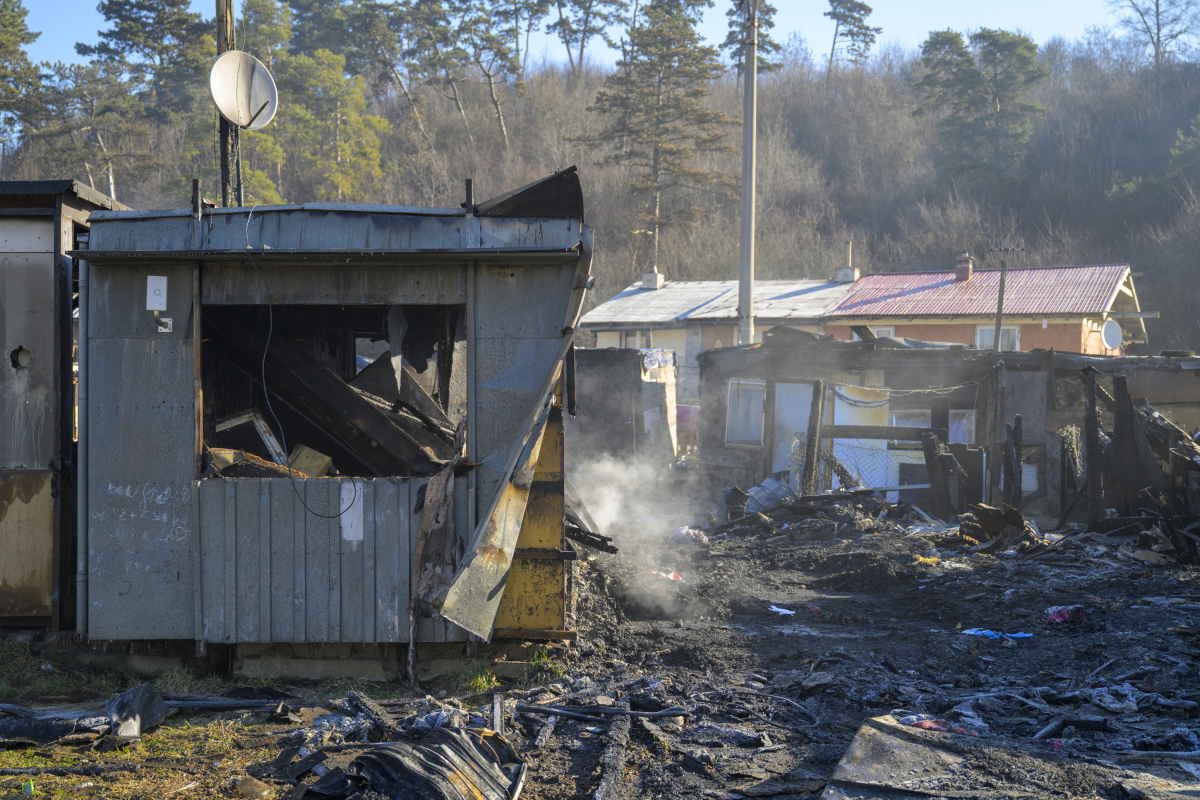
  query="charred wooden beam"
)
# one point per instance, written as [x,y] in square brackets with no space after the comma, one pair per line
[1091,431]
[899,433]
[934,449]
[836,466]
[816,415]
[324,399]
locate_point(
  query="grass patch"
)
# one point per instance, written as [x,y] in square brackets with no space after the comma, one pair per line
[542,669]
[22,676]
[544,664]
[473,677]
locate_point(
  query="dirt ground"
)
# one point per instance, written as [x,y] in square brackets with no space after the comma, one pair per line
[876,626]
[780,651]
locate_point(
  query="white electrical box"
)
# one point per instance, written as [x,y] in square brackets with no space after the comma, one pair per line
[156,292]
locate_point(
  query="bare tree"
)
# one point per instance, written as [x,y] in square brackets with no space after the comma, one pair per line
[1161,24]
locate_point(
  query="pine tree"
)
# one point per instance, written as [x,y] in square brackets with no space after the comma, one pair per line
[579,22]
[436,53]
[322,25]
[768,48]
[325,124]
[850,24]
[982,91]
[266,29]
[167,47]
[384,34]
[487,46]
[519,19]
[656,121]
[84,121]
[17,74]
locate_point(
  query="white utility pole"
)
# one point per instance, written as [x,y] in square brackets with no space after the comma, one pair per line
[749,136]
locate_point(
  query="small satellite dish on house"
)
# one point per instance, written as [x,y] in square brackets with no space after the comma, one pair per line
[243,90]
[1112,335]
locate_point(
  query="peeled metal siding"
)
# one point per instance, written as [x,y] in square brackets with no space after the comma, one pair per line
[1027,292]
[273,571]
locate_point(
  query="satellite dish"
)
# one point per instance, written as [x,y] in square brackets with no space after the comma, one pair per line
[243,90]
[1112,335]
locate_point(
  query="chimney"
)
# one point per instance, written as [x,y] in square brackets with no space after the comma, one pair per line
[848,273]
[653,279]
[964,265]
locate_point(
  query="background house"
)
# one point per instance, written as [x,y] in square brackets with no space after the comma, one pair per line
[691,316]
[1064,308]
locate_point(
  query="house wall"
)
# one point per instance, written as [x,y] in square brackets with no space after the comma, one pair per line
[1065,337]
[727,334]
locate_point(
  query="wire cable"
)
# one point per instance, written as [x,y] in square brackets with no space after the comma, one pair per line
[267,394]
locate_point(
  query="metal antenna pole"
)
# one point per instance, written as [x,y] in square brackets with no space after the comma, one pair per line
[749,136]
[1000,296]
[225,42]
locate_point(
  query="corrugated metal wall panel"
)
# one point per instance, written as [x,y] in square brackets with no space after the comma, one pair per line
[357,284]
[27,320]
[140,475]
[272,571]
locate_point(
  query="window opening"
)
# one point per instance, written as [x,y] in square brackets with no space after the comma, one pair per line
[362,391]
[962,424]
[1010,337]
[744,412]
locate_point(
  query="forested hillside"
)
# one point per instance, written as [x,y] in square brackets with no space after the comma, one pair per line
[1077,152]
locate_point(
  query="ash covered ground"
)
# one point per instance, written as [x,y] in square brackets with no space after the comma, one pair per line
[818,651]
[783,649]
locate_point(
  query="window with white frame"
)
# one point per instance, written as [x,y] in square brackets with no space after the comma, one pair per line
[880,331]
[744,412]
[1010,337]
[962,423]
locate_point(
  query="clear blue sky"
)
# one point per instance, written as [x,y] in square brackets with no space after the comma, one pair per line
[903,21]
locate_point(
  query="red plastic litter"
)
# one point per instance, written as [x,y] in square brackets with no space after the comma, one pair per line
[675,576]
[1065,614]
[815,610]
[942,725]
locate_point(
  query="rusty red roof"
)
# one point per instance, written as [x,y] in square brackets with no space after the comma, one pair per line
[1043,291]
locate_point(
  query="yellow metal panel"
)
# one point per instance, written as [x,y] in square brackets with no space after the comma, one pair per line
[543,523]
[550,459]
[534,597]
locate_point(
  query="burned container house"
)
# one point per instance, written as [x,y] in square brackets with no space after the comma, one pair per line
[245,482]
[626,406]
[821,412]
[40,222]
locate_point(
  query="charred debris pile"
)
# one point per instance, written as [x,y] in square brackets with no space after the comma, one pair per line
[1010,453]
[296,375]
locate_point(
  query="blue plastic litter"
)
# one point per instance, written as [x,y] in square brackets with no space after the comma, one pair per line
[994,635]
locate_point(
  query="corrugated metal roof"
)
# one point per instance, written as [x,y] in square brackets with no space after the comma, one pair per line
[1027,292]
[58,187]
[708,301]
